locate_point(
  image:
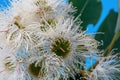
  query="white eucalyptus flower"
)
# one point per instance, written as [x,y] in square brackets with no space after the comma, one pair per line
[47,67]
[50,11]
[32,11]
[70,43]
[10,67]
[36,26]
[52,8]
[21,26]
[108,68]
[25,9]
[18,35]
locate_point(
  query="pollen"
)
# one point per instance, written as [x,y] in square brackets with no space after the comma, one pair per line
[9,65]
[43,2]
[44,26]
[20,26]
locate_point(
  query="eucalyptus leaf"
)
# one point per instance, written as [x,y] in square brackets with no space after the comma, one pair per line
[108,28]
[90,11]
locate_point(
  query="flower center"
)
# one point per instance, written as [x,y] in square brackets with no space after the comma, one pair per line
[61,47]
[36,70]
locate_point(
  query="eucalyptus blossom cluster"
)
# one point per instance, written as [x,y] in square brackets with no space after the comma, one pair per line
[42,40]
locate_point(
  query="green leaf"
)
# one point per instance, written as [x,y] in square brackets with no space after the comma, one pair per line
[108,29]
[90,11]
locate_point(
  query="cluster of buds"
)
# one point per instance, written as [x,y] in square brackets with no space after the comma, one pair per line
[41,40]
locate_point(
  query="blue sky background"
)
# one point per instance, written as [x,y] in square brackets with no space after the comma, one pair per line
[107,5]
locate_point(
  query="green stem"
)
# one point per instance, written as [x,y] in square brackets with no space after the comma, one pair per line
[116,36]
[110,47]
